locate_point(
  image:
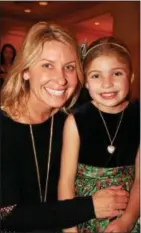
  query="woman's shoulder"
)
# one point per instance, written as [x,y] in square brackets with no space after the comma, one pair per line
[59,119]
[85,113]
[83,109]
[6,122]
[61,115]
[2,113]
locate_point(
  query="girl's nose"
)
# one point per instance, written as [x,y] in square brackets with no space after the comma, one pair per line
[107,82]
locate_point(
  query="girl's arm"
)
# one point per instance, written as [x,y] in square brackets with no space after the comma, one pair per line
[127,221]
[133,208]
[70,151]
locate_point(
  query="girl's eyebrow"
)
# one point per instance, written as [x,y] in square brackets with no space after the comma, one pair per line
[91,71]
[100,71]
[119,68]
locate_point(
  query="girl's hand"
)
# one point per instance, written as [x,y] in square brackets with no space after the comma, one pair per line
[118,225]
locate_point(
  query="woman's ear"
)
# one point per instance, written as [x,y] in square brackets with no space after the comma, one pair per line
[132,78]
[26,75]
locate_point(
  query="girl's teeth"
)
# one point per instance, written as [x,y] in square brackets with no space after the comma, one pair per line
[108,94]
[55,92]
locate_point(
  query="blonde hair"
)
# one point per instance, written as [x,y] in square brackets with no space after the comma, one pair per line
[15,92]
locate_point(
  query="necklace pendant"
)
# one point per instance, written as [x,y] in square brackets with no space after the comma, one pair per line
[111,149]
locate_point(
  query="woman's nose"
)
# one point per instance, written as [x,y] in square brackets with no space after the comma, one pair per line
[60,77]
[107,82]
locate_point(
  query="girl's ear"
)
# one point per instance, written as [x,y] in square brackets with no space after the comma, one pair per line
[26,75]
[132,78]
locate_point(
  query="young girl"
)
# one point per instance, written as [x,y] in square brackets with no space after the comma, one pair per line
[101,138]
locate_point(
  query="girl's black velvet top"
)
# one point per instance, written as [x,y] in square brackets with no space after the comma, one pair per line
[94,138]
[19,179]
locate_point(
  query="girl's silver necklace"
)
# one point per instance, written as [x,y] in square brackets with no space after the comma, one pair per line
[111,148]
[42,199]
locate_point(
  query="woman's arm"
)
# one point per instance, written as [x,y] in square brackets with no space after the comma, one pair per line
[69,158]
[45,216]
[67,213]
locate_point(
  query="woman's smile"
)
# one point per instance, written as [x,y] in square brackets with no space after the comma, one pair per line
[55,92]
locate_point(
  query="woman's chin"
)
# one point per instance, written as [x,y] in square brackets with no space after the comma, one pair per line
[57,103]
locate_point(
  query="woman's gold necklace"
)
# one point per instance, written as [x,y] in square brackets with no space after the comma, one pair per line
[42,199]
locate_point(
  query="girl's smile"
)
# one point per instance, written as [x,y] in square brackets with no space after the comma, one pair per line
[108,95]
[108,82]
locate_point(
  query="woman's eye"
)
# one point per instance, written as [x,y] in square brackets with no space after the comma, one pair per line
[47,65]
[70,67]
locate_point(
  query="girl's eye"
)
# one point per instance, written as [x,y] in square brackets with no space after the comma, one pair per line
[69,67]
[118,73]
[94,76]
[47,65]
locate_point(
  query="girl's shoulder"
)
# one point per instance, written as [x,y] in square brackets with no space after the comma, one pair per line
[132,113]
[134,107]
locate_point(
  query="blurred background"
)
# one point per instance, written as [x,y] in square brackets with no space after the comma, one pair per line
[89,20]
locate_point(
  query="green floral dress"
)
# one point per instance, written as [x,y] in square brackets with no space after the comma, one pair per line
[89,179]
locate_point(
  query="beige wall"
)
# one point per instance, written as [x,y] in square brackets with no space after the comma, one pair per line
[126,26]
[89,35]
[13,31]
[126,17]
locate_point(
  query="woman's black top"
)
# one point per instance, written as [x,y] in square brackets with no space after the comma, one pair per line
[19,184]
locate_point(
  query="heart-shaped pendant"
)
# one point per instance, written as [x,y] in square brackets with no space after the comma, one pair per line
[111,149]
